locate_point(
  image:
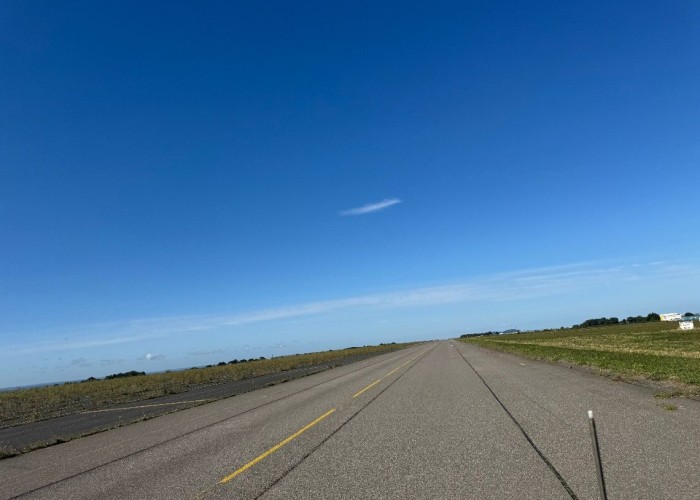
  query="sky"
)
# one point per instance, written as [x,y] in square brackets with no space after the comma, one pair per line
[183,183]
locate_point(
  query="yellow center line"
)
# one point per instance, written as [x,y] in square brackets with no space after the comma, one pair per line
[275,448]
[302,430]
[402,365]
[385,376]
[368,387]
[392,371]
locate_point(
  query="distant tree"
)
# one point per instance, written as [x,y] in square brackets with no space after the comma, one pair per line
[132,373]
[599,322]
[233,362]
[221,363]
[686,315]
[261,358]
[615,321]
[467,335]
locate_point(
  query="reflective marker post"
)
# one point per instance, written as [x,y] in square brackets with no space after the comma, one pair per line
[596,456]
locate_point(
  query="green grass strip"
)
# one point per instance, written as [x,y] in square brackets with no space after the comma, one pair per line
[654,367]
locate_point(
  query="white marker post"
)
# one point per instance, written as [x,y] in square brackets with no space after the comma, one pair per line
[596,456]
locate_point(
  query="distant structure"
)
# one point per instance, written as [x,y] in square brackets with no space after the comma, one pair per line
[671,317]
[508,332]
[686,325]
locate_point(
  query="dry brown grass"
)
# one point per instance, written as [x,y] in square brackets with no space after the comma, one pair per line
[29,405]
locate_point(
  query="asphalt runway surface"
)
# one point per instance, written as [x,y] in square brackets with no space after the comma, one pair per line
[437,420]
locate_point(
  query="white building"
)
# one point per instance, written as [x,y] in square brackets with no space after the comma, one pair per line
[671,317]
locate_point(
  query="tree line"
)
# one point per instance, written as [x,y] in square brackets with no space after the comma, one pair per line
[649,318]
[132,373]
[477,334]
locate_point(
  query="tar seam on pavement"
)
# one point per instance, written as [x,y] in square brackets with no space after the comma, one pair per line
[335,431]
[191,432]
[524,433]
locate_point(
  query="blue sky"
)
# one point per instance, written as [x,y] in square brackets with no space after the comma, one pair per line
[185,183]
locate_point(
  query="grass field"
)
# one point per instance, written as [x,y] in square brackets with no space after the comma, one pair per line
[655,351]
[29,405]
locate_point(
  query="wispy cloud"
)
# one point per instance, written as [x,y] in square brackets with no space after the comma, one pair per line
[371,207]
[526,284]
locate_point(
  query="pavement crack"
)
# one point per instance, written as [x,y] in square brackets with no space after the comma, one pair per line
[523,431]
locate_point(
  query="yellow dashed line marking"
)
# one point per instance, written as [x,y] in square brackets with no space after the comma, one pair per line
[275,448]
[385,376]
[368,387]
[394,370]
[307,427]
